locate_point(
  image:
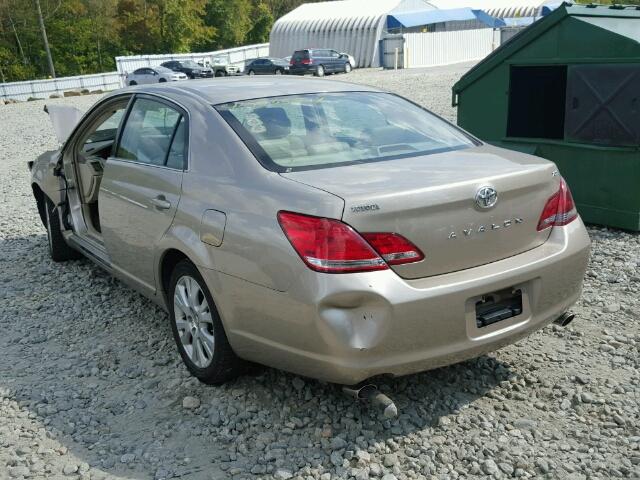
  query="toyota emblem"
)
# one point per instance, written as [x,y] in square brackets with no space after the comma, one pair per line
[486,197]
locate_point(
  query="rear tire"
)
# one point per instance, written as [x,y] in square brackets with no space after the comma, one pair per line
[162,80]
[132,83]
[219,74]
[320,71]
[59,250]
[198,330]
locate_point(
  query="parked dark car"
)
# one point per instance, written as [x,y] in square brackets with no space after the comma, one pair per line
[318,61]
[189,67]
[267,66]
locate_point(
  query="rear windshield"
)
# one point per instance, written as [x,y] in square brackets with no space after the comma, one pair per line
[300,54]
[303,132]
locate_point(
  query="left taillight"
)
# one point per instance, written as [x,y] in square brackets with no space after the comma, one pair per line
[559,210]
[331,246]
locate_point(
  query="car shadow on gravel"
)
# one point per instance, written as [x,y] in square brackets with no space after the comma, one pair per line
[93,364]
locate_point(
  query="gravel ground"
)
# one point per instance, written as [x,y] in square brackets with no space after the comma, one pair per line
[91,385]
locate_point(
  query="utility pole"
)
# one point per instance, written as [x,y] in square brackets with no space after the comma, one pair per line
[45,39]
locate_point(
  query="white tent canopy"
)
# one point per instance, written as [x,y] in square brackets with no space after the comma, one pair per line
[356,26]
[353,26]
[495,8]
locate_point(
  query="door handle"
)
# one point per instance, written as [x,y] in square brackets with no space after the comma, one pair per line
[161,203]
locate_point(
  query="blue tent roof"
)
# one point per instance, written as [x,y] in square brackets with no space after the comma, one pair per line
[519,21]
[417,18]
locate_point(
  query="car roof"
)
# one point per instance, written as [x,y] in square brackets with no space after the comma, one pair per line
[234,89]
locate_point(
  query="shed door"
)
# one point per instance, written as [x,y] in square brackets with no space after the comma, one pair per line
[603,104]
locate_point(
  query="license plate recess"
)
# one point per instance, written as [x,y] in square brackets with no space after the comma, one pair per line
[498,306]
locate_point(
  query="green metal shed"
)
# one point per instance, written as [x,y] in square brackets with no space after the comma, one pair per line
[567,88]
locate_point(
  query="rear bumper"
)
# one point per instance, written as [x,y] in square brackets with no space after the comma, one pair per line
[347,328]
[301,70]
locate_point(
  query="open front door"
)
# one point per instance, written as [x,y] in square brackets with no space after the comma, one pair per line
[141,187]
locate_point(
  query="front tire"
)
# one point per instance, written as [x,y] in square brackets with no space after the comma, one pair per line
[252,73]
[132,83]
[320,71]
[59,250]
[347,67]
[197,328]
[219,74]
[162,80]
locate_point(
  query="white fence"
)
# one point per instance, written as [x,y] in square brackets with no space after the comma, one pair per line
[443,48]
[46,88]
[113,80]
[236,56]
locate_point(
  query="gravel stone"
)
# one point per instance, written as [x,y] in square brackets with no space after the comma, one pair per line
[282,474]
[489,467]
[389,460]
[90,375]
[190,403]
[69,469]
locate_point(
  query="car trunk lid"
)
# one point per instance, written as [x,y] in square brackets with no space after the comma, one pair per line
[431,200]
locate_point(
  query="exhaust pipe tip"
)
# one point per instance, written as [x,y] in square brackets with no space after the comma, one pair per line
[565,319]
[370,393]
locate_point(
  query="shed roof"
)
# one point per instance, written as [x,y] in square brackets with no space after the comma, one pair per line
[620,20]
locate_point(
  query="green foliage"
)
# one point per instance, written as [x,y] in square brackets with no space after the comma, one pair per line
[262,22]
[86,35]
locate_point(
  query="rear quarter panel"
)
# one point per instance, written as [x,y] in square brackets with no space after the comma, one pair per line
[223,175]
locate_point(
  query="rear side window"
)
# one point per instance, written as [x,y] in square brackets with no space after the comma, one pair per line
[302,132]
[178,150]
[154,134]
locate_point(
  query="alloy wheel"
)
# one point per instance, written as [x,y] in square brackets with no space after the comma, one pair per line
[194,322]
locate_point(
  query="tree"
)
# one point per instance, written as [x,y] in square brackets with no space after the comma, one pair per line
[231,21]
[45,40]
[181,24]
[263,20]
[84,36]
[162,26]
[279,8]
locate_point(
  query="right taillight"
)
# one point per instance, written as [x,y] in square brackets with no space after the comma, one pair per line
[307,61]
[559,210]
[394,248]
[331,246]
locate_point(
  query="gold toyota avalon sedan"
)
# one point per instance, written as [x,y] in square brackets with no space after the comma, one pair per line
[328,229]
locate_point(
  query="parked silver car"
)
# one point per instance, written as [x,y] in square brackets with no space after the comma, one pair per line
[328,229]
[148,75]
